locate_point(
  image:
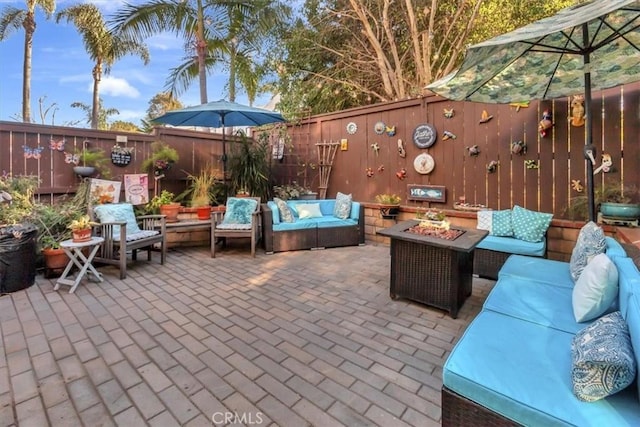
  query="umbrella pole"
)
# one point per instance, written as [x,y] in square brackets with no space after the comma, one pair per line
[589,125]
[224,157]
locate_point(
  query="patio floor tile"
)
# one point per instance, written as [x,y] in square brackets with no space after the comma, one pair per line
[290,339]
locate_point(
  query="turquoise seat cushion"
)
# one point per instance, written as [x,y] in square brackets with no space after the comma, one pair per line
[522,370]
[275,211]
[239,210]
[596,289]
[298,225]
[542,303]
[538,269]
[528,225]
[118,212]
[591,242]
[628,282]
[513,246]
[633,323]
[331,221]
[603,362]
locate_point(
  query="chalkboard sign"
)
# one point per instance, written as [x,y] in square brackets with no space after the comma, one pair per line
[424,136]
[427,193]
[120,158]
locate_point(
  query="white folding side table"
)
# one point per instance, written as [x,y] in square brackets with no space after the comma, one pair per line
[77,258]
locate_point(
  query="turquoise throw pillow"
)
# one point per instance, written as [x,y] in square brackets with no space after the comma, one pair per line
[530,226]
[342,208]
[118,212]
[591,242]
[596,289]
[286,215]
[501,223]
[239,210]
[602,358]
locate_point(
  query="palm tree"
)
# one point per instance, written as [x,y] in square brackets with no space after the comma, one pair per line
[103,113]
[209,29]
[103,46]
[11,19]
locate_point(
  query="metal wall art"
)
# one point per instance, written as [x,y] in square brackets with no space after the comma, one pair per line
[352,128]
[424,164]
[379,128]
[424,136]
[427,193]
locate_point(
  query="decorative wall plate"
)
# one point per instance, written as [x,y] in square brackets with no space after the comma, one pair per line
[424,136]
[379,128]
[351,128]
[424,164]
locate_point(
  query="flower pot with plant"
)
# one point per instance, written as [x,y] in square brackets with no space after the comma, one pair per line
[161,159]
[614,201]
[91,162]
[201,187]
[164,205]
[52,221]
[389,205]
[81,228]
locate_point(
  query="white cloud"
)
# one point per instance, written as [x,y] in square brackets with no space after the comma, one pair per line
[130,115]
[116,86]
[75,78]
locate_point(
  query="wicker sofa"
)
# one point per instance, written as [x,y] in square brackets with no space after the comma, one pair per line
[513,364]
[311,233]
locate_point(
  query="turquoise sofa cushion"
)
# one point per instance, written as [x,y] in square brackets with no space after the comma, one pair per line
[522,370]
[331,221]
[545,304]
[513,246]
[596,289]
[297,225]
[538,269]
[118,212]
[628,283]
[275,212]
[603,362]
[530,226]
[633,323]
[614,248]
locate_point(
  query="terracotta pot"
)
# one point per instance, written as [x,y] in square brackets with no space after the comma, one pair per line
[171,211]
[82,235]
[55,259]
[204,212]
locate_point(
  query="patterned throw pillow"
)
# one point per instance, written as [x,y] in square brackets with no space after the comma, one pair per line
[596,289]
[591,242]
[602,358]
[485,220]
[285,213]
[501,223]
[309,210]
[530,226]
[118,212]
[342,208]
[239,210]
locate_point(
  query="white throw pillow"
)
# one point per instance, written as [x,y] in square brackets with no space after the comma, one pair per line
[485,220]
[309,210]
[596,289]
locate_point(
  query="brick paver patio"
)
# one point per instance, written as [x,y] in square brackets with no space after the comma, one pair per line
[291,339]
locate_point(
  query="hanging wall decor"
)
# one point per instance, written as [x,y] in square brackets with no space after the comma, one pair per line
[519,105]
[401,150]
[379,128]
[474,150]
[448,135]
[577,186]
[448,113]
[531,164]
[32,153]
[577,111]
[375,147]
[545,124]
[606,164]
[485,117]
[390,130]
[380,168]
[424,164]
[424,136]
[401,174]
[344,144]
[518,147]
[492,166]
[352,128]
[369,172]
[57,145]
[121,156]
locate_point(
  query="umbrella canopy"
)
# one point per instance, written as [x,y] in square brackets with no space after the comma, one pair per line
[591,46]
[220,114]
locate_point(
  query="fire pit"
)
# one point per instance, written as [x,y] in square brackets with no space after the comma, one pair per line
[440,230]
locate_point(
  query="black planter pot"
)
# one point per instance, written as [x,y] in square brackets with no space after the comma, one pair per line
[17,257]
[389,212]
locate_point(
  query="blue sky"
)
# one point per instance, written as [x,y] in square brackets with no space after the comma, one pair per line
[61,71]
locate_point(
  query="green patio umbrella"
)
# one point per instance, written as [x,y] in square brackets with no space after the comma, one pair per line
[590,46]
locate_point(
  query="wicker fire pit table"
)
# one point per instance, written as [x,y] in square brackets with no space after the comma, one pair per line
[429,269]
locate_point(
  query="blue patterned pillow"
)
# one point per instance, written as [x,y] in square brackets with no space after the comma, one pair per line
[239,210]
[591,242]
[285,212]
[602,358]
[342,208]
[501,223]
[118,212]
[530,226]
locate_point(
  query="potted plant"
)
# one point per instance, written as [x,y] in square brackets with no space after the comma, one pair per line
[163,204]
[52,221]
[613,201]
[81,228]
[201,187]
[389,205]
[161,159]
[249,167]
[90,162]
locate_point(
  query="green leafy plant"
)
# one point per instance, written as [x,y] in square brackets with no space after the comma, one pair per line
[388,199]
[96,159]
[164,198]
[290,191]
[161,159]
[19,191]
[609,192]
[249,166]
[202,187]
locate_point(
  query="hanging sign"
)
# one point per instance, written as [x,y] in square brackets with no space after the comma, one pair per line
[424,136]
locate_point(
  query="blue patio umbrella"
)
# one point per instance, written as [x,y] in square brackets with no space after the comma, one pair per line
[219,114]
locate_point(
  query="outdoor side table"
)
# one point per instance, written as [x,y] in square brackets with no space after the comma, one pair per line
[78,258]
[430,270]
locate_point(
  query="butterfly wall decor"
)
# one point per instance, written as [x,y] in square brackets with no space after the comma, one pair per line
[32,153]
[57,145]
[71,158]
